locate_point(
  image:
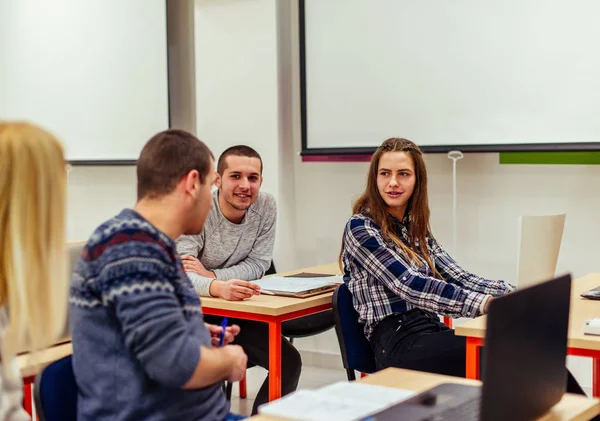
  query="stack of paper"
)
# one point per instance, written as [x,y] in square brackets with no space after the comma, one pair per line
[343,401]
[280,284]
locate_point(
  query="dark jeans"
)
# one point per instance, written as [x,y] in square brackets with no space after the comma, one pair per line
[254,338]
[417,340]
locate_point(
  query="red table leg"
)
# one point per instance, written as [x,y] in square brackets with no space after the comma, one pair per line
[243,388]
[473,346]
[28,394]
[274,322]
[274,360]
[27,399]
[594,354]
[596,377]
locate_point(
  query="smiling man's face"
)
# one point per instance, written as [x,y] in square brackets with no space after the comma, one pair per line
[240,182]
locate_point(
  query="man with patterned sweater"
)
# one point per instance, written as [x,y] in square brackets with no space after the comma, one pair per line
[141,349]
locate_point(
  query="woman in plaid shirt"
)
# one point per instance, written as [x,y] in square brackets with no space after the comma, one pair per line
[400,278]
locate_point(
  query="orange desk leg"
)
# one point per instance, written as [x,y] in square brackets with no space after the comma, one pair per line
[448,321]
[473,345]
[27,394]
[27,399]
[274,360]
[596,377]
[243,389]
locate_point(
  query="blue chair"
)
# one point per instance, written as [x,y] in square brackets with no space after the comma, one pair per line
[357,353]
[55,392]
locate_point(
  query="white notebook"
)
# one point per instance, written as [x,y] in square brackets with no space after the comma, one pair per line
[280,284]
[343,401]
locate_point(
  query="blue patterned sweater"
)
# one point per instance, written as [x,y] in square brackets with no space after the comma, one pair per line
[137,327]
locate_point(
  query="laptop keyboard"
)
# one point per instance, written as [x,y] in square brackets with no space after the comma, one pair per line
[466,411]
[445,402]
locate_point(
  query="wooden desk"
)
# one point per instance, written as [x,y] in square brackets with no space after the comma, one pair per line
[31,364]
[273,310]
[570,408]
[579,344]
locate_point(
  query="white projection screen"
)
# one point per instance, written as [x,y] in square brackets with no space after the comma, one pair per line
[510,75]
[92,72]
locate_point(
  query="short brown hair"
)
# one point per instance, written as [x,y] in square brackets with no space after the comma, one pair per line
[238,150]
[166,158]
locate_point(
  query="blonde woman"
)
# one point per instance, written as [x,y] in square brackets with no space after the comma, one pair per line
[33,282]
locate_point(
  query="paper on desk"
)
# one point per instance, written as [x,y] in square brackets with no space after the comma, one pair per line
[297,285]
[343,401]
[380,395]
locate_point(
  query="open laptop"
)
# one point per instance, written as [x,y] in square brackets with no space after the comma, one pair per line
[523,364]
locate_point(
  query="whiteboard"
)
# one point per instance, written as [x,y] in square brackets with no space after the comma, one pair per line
[92,72]
[483,74]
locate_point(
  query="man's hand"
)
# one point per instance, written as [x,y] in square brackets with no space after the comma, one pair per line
[234,289]
[191,264]
[217,364]
[239,361]
[215,333]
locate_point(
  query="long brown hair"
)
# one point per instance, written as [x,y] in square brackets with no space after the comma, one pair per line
[417,209]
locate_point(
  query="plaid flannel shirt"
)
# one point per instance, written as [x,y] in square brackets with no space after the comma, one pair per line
[384,282]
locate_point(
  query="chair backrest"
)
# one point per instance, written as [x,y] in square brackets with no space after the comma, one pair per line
[55,392]
[357,353]
[73,253]
[538,248]
[271,270]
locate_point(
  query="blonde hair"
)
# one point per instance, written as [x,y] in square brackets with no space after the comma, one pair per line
[33,281]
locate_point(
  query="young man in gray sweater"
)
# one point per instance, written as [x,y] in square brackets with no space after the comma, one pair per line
[235,247]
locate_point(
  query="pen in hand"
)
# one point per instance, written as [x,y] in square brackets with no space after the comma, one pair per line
[223,327]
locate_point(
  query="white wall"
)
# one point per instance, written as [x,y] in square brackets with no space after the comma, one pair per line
[95,194]
[490,199]
[244,103]
[237,93]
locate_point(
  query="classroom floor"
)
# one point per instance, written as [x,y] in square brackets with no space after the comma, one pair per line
[311,377]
